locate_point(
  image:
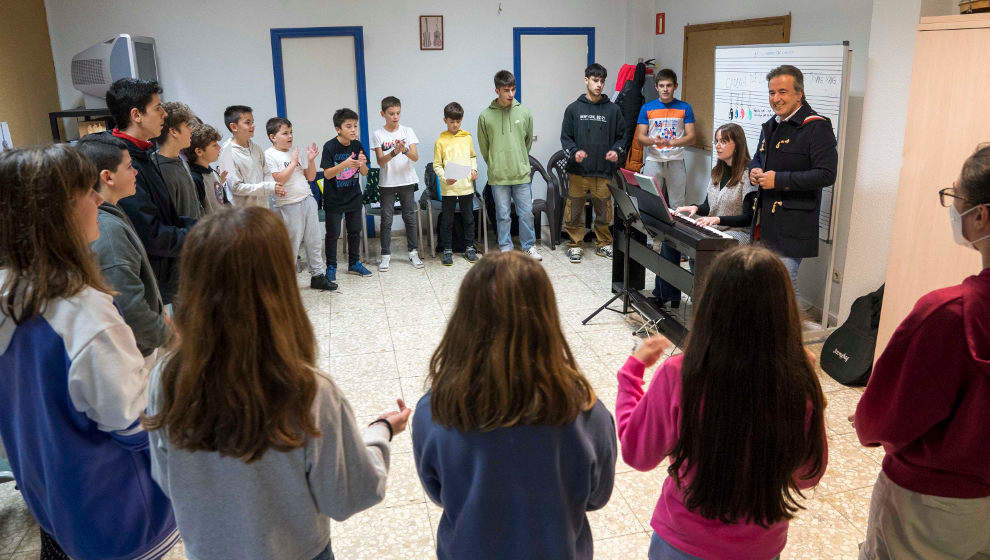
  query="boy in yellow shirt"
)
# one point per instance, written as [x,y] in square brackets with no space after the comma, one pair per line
[455,146]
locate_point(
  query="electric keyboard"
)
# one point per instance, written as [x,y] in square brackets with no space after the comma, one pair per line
[692,222]
[701,243]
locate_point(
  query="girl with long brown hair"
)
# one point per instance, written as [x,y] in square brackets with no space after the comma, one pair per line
[74,382]
[255,447]
[729,197]
[740,414]
[510,439]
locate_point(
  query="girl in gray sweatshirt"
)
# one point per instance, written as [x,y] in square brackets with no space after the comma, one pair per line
[256,449]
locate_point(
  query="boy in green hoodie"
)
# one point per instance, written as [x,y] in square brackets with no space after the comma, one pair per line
[505,135]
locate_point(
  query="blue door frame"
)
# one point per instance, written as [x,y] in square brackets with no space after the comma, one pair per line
[357,32]
[518,32]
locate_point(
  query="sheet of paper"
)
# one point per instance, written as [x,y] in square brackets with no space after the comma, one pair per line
[456,171]
[5,142]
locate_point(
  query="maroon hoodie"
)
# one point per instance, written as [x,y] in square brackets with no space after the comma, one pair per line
[928,401]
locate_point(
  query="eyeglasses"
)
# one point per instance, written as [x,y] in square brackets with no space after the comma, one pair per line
[946,195]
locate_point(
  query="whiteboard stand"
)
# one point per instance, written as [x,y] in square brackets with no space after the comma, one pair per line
[826,329]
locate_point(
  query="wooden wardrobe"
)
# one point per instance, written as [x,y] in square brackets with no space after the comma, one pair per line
[948,116]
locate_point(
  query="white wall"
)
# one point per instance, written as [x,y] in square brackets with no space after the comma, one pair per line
[811,21]
[218,53]
[891,56]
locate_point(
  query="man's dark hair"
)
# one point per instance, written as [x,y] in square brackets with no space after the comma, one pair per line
[665,74]
[275,124]
[233,114]
[126,94]
[105,151]
[389,102]
[595,70]
[344,115]
[177,113]
[792,71]
[974,180]
[453,111]
[504,78]
[202,136]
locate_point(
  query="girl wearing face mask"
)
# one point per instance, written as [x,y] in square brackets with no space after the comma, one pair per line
[927,404]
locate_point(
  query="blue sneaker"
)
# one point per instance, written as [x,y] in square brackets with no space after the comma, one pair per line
[332,273]
[359,269]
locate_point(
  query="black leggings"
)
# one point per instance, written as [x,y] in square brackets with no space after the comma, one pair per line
[466,204]
[352,221]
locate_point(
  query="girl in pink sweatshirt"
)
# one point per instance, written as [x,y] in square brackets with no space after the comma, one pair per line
[738,463]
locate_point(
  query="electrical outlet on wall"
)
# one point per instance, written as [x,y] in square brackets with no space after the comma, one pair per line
[836,277]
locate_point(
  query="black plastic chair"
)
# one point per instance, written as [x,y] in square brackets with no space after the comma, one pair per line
[557,167]
[431,201]
[549,205]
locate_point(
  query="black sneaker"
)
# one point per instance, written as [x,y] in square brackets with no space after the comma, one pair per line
[320,282]
[471,255]
[448,258]
[662,303]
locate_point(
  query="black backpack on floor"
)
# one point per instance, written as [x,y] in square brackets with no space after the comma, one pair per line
[847,355]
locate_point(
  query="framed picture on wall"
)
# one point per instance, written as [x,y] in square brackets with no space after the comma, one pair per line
[431,33]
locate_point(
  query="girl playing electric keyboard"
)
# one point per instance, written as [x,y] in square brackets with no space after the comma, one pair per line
[728,205]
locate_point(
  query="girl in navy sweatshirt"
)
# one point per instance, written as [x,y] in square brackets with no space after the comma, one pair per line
[74,382]
[510,439]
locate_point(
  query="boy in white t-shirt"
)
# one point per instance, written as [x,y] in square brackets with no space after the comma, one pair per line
[297,205]
[395,150]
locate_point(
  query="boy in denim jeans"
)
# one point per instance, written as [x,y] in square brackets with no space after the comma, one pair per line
[505,135]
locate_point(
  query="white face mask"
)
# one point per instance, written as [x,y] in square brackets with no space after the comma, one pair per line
[955,218]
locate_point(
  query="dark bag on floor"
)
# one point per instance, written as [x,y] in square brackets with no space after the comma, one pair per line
[847,355]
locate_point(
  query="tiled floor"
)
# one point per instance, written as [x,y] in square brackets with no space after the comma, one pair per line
[375,337]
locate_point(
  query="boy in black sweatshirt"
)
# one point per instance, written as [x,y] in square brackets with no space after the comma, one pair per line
[592,135]
[137,109]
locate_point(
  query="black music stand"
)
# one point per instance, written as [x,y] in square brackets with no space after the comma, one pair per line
[629,216]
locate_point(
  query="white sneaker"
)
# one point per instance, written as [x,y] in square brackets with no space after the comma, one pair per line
[534,253]
[414,259]
[383,266]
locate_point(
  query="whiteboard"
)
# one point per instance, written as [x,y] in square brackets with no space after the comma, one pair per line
[741,96]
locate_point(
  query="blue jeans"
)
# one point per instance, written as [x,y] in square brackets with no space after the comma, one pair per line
[522,197]
[660,550]
[663,290]
[327,554]
[793,264]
